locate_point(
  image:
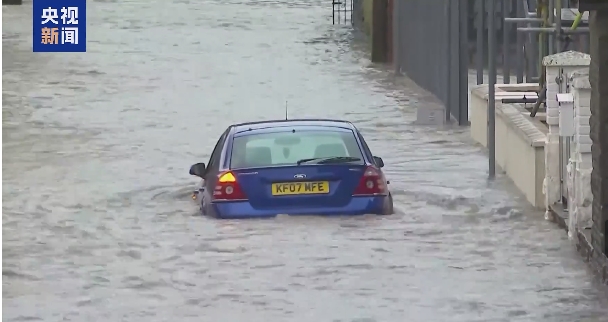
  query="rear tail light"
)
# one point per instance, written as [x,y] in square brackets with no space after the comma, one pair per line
[372,183]
[227,188]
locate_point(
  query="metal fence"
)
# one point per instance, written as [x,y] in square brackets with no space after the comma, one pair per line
[529,31]
[550,28]
[342,12]
[431,47]
[436,43]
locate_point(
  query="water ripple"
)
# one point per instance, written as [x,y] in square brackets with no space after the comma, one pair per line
[97,218]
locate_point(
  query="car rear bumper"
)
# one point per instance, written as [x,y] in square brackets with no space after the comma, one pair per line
[358,206]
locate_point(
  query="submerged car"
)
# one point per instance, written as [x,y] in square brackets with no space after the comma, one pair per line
[292,167]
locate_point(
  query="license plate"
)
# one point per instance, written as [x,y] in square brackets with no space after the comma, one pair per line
[300,188]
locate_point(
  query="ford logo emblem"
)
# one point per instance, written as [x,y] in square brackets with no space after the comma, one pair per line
[300,176]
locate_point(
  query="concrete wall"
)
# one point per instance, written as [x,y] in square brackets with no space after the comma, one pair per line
[519,139]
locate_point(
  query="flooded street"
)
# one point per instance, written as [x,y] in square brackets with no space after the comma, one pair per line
[98,224]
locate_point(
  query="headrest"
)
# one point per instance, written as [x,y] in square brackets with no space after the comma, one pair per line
[330,150]
[258,156]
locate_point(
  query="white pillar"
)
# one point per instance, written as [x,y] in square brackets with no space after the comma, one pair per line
[583,198]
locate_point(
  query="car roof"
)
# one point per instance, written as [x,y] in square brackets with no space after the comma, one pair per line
[252,126]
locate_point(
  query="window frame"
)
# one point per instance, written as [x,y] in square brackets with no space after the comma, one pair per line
[342,131]
[216,154]
[367,150]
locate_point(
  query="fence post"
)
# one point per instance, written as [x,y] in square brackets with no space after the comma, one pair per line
[480,57]
[379,31]
[463,63]
[390,45]
[491,89]
[506,42]
[396,36]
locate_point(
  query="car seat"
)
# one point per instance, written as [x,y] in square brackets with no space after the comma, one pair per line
[258,157]
[330,150]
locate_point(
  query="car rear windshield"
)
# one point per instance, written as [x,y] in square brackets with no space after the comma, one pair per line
[287,148]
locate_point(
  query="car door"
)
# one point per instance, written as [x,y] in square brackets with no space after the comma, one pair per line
[212,169]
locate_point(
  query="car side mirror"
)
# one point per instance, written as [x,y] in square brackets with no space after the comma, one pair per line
[379,162]
[197,170]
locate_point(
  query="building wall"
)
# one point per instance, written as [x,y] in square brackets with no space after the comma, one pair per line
[598,75]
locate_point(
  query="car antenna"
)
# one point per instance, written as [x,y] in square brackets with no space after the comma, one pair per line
[285,110]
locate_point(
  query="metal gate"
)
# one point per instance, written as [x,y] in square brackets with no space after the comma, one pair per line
[431,48]
[342,12]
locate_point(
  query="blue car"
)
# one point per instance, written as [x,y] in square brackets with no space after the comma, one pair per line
[292,167]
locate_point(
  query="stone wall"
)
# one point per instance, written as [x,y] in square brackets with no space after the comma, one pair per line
[580,204]
[558,67]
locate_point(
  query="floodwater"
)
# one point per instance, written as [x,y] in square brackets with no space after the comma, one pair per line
[97,220]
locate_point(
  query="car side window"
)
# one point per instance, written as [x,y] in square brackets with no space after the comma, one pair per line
[217,151]
[366,147]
